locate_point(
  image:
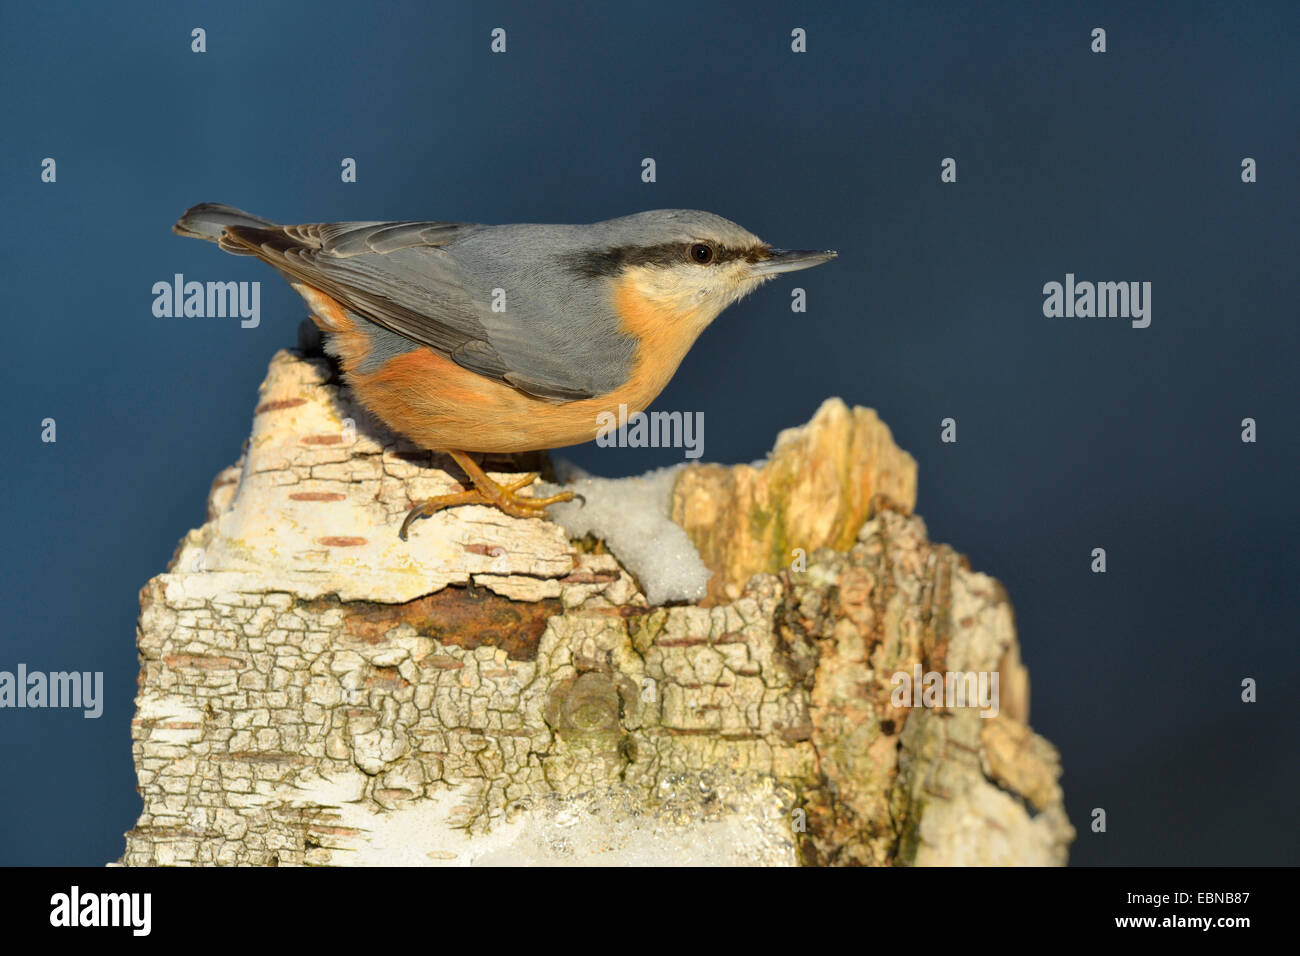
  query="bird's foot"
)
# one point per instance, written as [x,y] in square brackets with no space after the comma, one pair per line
[487,492]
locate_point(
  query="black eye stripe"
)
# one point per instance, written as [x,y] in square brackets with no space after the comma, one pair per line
[612,262]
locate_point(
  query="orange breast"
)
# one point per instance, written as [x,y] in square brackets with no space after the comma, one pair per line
[439,405]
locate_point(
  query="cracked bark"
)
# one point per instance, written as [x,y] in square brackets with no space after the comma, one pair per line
[315,691]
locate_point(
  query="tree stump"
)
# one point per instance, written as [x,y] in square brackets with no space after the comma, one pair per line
[313,690]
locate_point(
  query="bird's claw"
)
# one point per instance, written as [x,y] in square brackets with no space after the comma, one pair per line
[503,497]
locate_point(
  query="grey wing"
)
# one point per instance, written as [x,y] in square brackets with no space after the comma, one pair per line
[397,275]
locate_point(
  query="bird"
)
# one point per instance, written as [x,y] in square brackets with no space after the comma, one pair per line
[470,338]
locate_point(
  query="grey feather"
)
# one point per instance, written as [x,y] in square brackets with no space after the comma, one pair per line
[209,220]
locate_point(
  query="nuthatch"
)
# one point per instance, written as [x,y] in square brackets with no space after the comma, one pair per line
[465,337]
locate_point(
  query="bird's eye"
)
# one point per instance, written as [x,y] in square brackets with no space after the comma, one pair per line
[700,252]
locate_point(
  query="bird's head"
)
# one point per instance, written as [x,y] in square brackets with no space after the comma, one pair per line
[686,263]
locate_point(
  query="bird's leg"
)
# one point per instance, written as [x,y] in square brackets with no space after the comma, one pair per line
[486,492]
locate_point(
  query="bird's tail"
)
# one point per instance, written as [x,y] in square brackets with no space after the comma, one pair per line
[208,220]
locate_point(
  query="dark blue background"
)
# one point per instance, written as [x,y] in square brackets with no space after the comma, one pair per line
[1073,434]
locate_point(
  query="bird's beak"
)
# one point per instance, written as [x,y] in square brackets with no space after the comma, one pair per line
[791,260]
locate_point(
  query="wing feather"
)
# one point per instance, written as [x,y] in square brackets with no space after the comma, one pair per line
[398,275]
